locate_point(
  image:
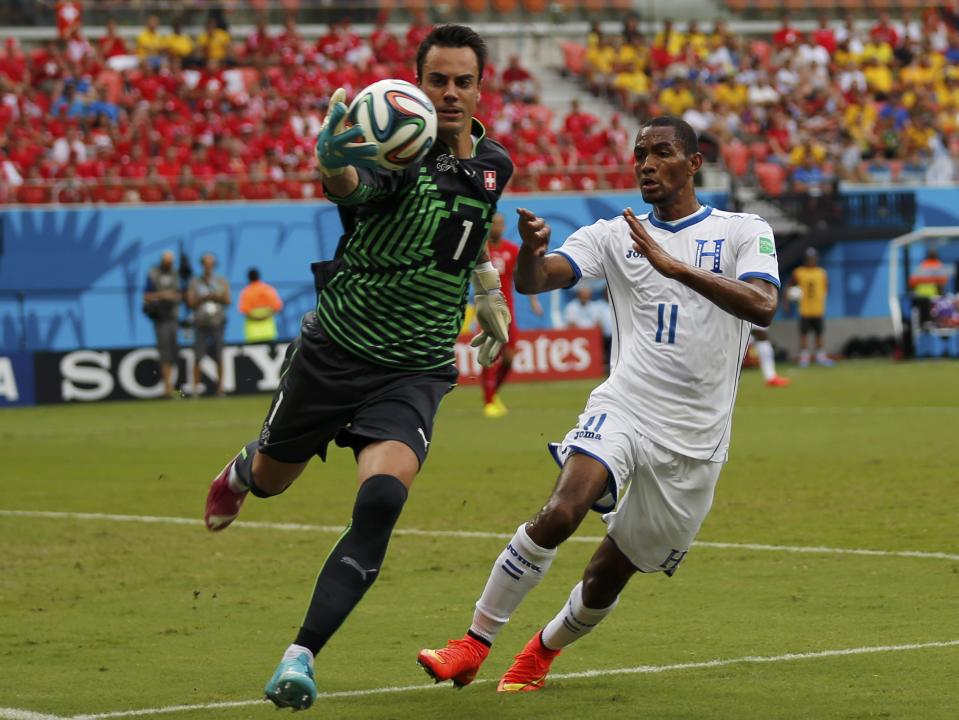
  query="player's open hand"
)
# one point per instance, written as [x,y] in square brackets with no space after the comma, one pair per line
[533,230]
[664,263]
[338,146]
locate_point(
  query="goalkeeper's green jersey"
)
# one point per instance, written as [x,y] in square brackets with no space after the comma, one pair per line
[399,296]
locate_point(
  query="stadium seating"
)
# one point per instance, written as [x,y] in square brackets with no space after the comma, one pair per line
[73,112]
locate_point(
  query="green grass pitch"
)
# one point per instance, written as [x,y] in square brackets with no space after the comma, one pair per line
[100,616]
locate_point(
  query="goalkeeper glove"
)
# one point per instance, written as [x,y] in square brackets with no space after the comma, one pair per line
[492,313]
[334,147]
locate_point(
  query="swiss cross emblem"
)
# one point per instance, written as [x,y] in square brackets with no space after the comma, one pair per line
[489,179]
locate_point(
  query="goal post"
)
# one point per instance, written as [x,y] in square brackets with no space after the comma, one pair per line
[896,279]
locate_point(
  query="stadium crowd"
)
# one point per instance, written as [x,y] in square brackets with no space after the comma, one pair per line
[798,110]
[175,117]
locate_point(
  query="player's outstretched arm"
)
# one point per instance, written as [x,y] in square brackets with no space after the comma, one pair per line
[752,300]
[536,271]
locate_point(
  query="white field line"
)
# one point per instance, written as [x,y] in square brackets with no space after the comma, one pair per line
[338,529]
[16,714]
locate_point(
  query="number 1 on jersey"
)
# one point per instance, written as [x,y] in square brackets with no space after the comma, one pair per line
[671,327]
[467,227]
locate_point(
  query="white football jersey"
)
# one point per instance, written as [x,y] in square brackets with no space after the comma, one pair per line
[676,355]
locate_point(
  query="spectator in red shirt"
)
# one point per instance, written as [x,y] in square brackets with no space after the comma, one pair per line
[112,189]
[155,187]
[70,190]
[187,188]
[577,122]
[417,32]
[201,168]
[338,41]
[257,185]
[518,83]
[34,190]
[825,36]
[260,43]
[112,44]
[290,38]
[170,166]
[133,166]
[884,31]
[786,35]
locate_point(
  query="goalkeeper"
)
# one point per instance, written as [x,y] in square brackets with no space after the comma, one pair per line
[370,367]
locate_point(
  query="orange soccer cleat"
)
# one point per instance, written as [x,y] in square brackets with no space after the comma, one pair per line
[530,668]
[778,381]
[459,661]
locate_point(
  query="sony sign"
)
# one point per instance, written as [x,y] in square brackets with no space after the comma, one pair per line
[93,375]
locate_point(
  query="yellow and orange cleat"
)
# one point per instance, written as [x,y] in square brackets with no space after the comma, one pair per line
[530,668]
[459,661]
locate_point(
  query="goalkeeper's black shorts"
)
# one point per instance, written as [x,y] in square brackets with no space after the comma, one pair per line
[327,393]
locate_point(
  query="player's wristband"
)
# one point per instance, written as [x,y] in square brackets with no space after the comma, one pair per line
[485,279]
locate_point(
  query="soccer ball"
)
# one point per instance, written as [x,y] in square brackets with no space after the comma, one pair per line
[794,294]
[399,118]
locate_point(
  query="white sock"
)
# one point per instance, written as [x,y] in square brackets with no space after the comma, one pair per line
[573,621]
[821,355]
[804,357]
[517,570]
[236,485]
[767,359]
[295,651]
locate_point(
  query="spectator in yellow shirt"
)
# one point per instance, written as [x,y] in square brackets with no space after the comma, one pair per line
[677,98]
[878,76]
[728,92]
[813,284]
[178,43]
[149,41]
[806,148]
[214,42]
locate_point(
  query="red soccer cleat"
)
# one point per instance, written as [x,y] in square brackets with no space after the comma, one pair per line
[222,504]
[778,381]
[530,668]
[459,661]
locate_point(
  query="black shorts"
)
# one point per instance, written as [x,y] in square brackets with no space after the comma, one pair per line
[327,393]
[811,325]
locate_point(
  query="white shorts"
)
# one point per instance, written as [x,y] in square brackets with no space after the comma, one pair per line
[658,498]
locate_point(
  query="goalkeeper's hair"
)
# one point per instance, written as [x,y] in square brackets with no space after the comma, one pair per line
[452,36]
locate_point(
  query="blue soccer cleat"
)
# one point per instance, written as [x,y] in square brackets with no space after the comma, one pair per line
[292,685]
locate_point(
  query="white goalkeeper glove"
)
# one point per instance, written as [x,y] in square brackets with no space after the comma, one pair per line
[492,313]
[335,149]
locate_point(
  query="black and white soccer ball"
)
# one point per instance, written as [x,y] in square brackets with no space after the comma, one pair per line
[399,118]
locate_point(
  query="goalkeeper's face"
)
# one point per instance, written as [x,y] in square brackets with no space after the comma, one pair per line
[451,81]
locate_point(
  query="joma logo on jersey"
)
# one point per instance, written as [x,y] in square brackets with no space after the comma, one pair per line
[589,432]
[715,254]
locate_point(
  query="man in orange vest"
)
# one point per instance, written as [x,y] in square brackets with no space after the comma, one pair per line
[259,303]
[927,283]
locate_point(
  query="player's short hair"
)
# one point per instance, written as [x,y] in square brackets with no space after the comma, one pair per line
[452,36]
[253,275]
[684,131]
